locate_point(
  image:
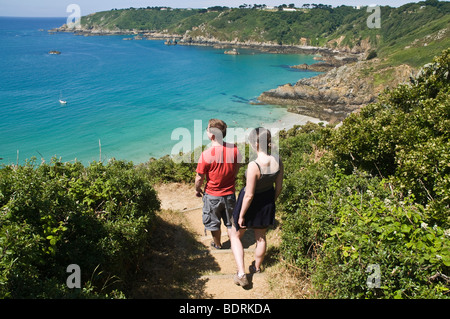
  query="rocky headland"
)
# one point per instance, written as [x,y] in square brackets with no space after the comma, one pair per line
[328,62]
[344,89]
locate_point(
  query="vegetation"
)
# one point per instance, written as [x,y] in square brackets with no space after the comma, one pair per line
[138,19]
[58,214]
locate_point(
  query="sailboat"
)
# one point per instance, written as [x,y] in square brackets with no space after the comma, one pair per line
[61,100]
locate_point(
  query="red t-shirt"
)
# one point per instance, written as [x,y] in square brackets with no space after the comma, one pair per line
[219,164]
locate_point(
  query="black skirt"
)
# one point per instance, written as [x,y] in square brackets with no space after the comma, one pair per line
[260,214]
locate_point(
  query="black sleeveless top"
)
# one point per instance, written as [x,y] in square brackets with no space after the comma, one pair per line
[265,181]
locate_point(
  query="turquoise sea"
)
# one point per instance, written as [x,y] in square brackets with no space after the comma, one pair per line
[129,95]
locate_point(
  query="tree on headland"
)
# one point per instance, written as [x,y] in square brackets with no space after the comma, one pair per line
[218,8]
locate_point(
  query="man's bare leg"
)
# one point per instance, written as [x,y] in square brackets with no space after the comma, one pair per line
[216,235]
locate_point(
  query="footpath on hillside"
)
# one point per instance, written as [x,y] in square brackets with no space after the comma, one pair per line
[181,263]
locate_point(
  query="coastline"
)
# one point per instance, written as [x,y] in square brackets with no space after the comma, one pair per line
[327,60]
[282,119]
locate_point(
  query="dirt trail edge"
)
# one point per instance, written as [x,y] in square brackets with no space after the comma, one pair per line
[182,263]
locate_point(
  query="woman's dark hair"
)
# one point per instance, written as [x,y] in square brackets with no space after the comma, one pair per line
[260,139]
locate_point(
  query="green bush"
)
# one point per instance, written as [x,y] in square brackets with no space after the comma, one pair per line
[369,225]
[301,228]
[166,169]
[406,135]
[337,225]
[303,178]
[378,194]
[57,214]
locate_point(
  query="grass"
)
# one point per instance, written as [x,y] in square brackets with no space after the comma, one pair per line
[383,77]
[285,280]
[418,56]
[288,282]
[419,47]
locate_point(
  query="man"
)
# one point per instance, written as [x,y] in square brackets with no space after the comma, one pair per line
[219,164]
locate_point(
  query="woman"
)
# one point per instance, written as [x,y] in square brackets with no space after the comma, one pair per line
[255,206]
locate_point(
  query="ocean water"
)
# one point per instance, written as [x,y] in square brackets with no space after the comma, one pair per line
[127,96]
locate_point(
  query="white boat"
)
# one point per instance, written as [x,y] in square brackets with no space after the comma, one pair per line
[61,100]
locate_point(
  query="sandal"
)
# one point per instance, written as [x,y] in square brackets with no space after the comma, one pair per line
[253,269]
[215,246]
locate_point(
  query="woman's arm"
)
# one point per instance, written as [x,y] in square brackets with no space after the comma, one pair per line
[252,177]
[279,181]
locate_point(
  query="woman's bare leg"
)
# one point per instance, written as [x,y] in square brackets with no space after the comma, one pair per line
[260,250]
[237,248]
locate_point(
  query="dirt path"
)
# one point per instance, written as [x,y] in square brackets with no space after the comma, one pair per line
[182,264]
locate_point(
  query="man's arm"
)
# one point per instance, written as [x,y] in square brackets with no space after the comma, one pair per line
[199,178]
[236,170]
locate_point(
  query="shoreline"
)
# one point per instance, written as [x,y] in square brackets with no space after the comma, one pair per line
[290,119]
[269,47]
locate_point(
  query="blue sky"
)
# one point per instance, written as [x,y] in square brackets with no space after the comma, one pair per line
[57,8]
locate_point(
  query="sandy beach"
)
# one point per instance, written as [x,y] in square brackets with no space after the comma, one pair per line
[290,119]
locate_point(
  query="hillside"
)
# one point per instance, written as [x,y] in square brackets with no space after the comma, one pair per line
[412,33]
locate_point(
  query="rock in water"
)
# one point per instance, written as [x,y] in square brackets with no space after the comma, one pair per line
[232,52]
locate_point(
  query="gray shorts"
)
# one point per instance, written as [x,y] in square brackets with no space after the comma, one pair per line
[216,208]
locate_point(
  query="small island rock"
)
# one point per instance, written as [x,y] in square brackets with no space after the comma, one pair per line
[232,52]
